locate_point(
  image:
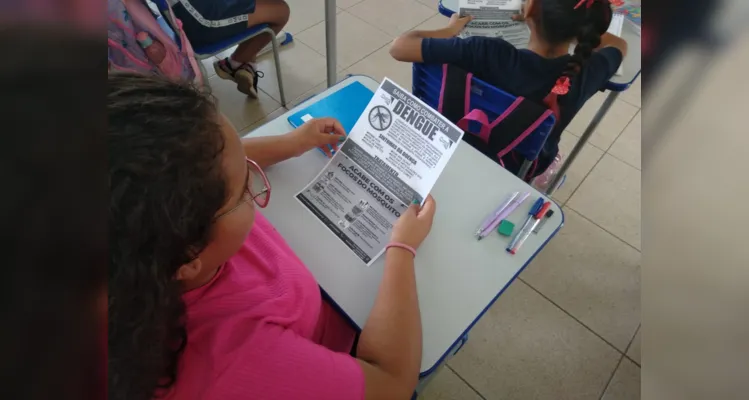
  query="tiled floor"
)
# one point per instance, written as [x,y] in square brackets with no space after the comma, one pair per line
[568,328]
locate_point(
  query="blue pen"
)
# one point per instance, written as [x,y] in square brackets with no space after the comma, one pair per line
[536,206]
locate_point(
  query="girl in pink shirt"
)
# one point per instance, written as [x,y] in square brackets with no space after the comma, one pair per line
[206,299]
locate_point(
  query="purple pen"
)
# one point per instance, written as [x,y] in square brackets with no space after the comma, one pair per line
[507,211]
[491,217]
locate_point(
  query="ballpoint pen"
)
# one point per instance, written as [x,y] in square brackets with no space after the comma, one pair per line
[531,213]
[543,221]
[489,219]
[507,211]
[523,235]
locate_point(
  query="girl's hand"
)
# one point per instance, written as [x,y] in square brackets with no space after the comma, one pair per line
[520,17]
[414,224]
[317,133]
[457,23]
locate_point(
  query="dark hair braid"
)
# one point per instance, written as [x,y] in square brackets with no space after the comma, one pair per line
[560,22]
[166,184]
[596,22]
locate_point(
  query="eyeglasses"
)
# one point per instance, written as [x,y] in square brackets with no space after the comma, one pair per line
[257,188]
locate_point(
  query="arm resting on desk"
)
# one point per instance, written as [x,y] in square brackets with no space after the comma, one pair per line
[269,150]
[407,47]
[389,349]
[320,133]
[609,40]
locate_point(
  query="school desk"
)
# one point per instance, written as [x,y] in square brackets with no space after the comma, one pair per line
[458,278]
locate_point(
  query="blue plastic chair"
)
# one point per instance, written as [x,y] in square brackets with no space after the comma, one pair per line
[208,51]
[427,83]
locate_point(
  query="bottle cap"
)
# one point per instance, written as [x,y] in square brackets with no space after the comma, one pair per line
[144,39]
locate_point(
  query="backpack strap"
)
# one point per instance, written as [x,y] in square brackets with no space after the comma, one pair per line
[185,45]
[498,137]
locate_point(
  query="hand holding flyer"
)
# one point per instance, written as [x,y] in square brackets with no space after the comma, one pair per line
[414,224]
[495,18]
[393,156]
[318,133]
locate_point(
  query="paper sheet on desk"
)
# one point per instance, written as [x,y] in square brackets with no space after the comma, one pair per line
[393,155]
[493,18]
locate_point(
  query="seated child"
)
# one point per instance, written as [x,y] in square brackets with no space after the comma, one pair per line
[206,299]
[543,66]
[210,21]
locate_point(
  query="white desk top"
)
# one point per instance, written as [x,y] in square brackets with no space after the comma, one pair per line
[631,64]
[457,277]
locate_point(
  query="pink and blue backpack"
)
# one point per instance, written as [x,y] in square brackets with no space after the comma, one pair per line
[130,18]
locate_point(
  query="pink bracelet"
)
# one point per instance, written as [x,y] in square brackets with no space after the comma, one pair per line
[402,246]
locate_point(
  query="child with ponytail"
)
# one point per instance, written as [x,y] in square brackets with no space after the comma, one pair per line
[545,72]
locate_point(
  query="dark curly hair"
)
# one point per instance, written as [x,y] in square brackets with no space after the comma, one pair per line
[559,22]
[166,184]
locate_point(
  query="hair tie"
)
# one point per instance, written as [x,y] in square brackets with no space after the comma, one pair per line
[562,86]
[589,3]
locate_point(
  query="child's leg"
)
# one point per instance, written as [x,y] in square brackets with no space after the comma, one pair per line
[275,13]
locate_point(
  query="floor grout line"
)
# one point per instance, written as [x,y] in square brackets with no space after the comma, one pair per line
[612,155]
[584,178]
[630,345]
[571,316]
[611,378]
[604,229]
[622,131]
[465,381]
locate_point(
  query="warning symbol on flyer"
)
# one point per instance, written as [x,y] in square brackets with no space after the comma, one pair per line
[380,118]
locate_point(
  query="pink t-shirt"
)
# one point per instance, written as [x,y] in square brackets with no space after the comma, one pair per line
[261,330]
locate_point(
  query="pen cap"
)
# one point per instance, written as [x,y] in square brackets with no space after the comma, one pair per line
[541,212]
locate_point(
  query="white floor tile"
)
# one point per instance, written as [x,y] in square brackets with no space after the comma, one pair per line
[525,347]
[304,14]
[628,146]
[584,162]
[610,197]
[380,64]
[634,348]
[356,39]
[448,386]
[633,95]
[593,276]
[345,4]
[392,16]
[302,69]
[241,110]
[626,383]
[433,4]
[610,127]
[438,21]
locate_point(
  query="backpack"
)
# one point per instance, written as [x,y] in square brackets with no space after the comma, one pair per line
[131,20]
[519,132]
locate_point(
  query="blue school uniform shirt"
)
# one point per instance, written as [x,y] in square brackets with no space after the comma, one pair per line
[525,73]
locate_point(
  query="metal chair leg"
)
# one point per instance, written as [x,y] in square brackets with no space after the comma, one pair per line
[277,60]
[524,169]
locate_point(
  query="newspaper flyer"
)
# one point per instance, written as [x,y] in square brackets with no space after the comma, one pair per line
[393,155]
[493,18]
